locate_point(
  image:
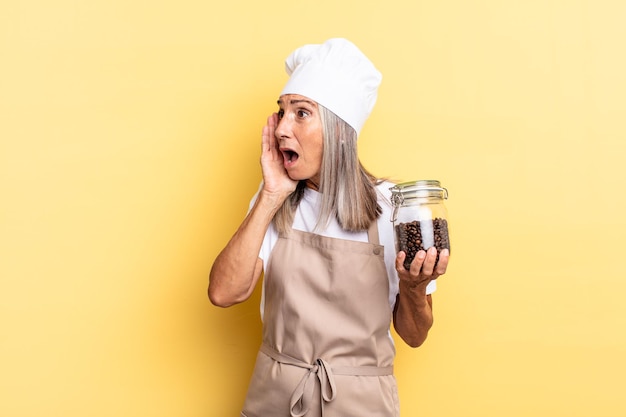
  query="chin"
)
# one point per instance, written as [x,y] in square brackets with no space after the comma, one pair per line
[294,176]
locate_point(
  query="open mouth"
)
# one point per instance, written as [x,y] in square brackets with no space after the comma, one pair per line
[289,156]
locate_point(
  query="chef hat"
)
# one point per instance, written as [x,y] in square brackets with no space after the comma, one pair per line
[336,75]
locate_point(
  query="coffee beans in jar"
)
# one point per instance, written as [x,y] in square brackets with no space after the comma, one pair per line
[420,218]
[411,239]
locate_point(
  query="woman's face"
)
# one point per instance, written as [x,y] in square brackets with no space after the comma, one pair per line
[300,138]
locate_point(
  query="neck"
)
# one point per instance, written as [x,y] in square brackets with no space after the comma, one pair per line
[313,183]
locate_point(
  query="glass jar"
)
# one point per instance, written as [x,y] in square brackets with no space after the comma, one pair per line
[419,217]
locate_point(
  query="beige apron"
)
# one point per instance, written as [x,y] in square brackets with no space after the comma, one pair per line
[326,347]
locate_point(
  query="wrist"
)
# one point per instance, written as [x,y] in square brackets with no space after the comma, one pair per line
[272,200]
[416,288]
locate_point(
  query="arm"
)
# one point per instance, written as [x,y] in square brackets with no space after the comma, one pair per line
[413,313]
[237,268]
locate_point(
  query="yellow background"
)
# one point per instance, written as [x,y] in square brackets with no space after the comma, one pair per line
[130,136]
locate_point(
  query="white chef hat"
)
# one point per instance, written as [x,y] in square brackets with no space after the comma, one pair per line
[337,75]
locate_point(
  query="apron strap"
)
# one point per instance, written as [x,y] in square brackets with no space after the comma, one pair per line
[372,233]
[302,396]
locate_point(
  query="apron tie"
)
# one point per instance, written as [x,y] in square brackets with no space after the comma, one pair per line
[302,396]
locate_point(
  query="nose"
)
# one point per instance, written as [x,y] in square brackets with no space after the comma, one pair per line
[283,129]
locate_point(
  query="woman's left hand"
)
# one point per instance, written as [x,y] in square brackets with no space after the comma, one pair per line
[424,268]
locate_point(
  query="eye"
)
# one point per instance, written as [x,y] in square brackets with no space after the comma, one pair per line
[303,113]
[280,113]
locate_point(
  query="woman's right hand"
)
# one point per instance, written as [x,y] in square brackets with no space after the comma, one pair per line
[276,181]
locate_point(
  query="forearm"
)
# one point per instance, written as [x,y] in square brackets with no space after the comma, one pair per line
[237,268]
[413,314]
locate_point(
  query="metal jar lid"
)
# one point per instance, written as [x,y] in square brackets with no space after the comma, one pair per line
[417,189]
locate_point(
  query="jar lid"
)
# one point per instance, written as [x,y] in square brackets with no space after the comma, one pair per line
[421,188]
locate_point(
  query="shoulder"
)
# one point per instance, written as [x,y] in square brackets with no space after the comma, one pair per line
[255,196]
[383,191]
[385,226]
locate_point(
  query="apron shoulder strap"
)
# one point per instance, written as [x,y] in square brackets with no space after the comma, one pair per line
[372,233]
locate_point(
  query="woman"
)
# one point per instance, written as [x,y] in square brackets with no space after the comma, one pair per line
[319,229]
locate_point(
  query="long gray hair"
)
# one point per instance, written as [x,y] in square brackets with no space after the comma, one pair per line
[347,188]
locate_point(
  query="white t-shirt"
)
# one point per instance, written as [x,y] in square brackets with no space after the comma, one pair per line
[305,219]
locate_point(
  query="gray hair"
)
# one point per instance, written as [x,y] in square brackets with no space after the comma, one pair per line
[348,190]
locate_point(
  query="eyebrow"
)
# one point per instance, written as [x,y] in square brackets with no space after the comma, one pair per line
[279,102]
